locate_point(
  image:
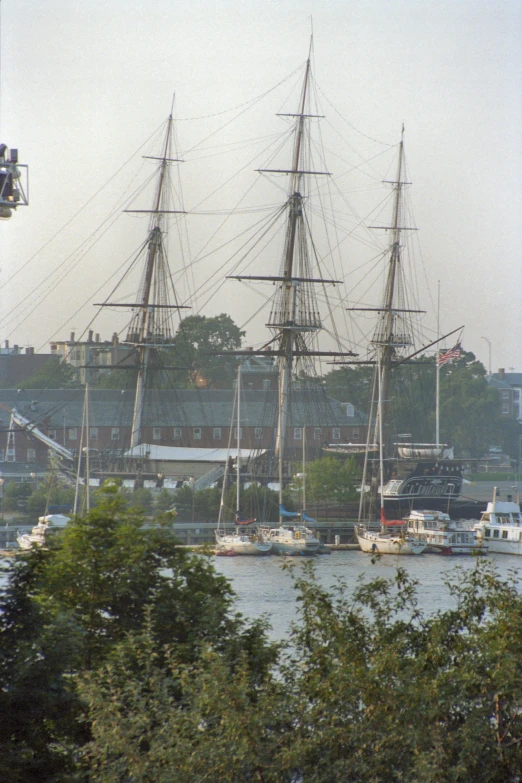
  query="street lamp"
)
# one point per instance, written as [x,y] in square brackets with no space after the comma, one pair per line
[489,351]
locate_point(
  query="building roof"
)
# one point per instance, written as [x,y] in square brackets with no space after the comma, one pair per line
[510,378]
[55,408]
[181,454]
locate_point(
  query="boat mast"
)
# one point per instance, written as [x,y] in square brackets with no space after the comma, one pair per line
[145,314]
[150,327]
[295,316]
[288,303]
[392,333]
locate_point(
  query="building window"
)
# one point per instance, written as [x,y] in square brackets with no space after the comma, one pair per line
[217,433]
[240,433]
[115,433]
[298,433]
[31,455]
[350,410]
[258,433]
[72,433]
[336,433]
[93,433]
[355,433]
[177,433]
[196,432]
[505,407]
[156,433]
[266,384]
[505,395]
[52,434]
[318,433]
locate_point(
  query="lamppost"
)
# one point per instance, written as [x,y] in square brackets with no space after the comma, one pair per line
[2,495]
[489,352]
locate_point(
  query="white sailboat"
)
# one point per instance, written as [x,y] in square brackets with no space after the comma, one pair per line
[238,542]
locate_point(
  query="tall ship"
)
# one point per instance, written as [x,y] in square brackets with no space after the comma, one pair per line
[295,322]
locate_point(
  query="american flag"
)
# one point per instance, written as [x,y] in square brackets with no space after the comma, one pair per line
[449,356]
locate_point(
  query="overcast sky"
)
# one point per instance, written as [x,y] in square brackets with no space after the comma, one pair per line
[84,84]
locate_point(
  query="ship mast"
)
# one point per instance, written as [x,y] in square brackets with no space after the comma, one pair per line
[294,317]
[393,334]
[150,328]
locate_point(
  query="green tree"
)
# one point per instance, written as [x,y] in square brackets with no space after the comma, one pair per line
[331,480]
[469,408]
[55,374]
[256,501]
[198,505]
[65,609]
[197,340]
[369,690]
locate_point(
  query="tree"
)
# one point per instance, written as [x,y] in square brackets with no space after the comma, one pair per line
[67,608]
[469,408]
[198,339]
[332,480]
[55,374]
[369,690]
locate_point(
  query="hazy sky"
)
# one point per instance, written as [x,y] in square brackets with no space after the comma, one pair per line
[84,84]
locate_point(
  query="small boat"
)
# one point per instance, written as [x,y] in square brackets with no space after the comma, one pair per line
[500,527]
[398,542]
[38,534]
[443,535]
[291,540]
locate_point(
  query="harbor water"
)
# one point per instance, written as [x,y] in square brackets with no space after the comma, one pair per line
[265,589]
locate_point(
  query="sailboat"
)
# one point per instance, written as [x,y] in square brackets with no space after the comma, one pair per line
[239,542]
[295,319]
[390,338]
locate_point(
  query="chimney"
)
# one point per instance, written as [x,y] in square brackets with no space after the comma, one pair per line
[7,344]
[115,339]
[72,337]
[97,337]
[501,373]
[90,336]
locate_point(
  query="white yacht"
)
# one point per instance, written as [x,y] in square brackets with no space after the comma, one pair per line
[500,527]
[39,532]
[443,535]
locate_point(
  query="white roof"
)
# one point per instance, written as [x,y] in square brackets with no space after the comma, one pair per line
[186,454]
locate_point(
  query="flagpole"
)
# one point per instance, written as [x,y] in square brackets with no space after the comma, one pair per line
[437,373]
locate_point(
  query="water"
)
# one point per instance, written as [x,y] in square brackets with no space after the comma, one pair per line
[264,588]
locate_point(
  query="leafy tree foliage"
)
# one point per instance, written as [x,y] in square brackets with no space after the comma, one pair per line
[332,481]
[55,374]
[197,340]
[193,504]
[469,408]
[67,608]
[370,690]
